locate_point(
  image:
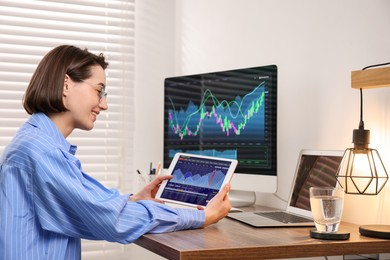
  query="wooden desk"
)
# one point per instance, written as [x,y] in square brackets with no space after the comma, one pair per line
[230,239]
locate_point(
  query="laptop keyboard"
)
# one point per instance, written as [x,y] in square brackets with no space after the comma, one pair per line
[284,217]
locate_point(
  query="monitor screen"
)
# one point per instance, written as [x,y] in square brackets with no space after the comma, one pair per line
[230,114]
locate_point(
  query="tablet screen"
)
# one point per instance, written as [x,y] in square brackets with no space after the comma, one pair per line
[196,179]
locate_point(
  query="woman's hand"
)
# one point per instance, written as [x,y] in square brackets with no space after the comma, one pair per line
[150,190]
[218,207]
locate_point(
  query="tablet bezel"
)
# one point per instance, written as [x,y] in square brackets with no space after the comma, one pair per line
[227,178]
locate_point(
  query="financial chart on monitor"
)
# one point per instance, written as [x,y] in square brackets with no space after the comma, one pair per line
[228,114]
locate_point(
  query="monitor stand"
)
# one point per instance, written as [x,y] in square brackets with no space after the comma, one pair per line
[240,198]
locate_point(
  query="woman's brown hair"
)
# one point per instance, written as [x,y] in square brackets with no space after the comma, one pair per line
[44,93]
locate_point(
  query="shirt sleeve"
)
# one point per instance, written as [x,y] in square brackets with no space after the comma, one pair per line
[70,202]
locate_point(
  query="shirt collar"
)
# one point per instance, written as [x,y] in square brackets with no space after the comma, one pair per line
[44,123]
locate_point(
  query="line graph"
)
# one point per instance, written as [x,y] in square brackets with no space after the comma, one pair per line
[215,116]
[229,114]
[213,179]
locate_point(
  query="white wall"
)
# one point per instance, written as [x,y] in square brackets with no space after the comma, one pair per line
[154,61]
[316,44]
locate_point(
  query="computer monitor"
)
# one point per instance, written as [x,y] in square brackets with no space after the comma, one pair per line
[230,114]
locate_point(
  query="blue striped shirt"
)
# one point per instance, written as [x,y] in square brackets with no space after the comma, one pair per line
[48,204]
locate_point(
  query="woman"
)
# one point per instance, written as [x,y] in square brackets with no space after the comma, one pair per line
[47,202]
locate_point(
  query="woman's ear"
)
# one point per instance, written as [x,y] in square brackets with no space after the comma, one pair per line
[66,86]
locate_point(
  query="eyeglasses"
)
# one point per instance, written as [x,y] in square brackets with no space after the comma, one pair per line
[102,92]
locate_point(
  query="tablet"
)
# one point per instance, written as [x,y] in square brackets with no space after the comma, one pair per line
[196,179]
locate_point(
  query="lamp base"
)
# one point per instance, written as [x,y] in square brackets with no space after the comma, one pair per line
[378,231]
[329,236]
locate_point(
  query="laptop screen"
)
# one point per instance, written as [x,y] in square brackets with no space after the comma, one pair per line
[313,170]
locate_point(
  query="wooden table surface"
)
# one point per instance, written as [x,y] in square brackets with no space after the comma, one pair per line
[230,239]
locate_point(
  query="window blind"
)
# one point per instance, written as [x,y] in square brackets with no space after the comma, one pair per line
[28,30]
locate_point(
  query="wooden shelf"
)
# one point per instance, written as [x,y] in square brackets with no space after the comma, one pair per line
[370,78]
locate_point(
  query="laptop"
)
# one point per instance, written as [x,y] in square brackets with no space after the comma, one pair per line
[314,168]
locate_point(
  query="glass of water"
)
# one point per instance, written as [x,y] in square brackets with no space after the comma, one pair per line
[327,207]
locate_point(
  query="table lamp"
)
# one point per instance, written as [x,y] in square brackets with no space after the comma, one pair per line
[361,170]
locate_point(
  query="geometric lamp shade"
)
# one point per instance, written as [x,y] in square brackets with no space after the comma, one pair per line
[361,171]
